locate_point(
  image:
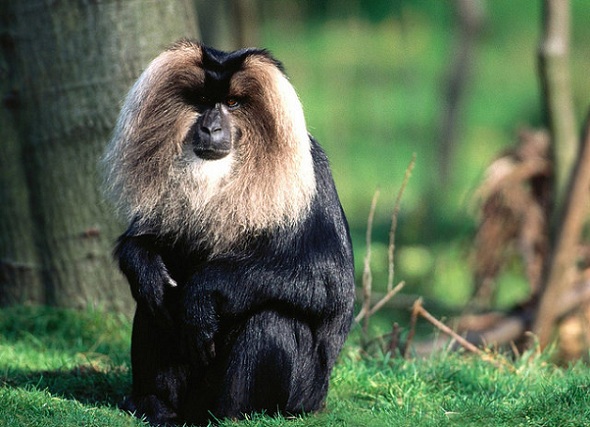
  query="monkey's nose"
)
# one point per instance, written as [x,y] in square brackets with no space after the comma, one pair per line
[211,122]
[213,137]
[210,130]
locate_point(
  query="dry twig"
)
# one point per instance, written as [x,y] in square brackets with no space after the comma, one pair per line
[413,321]
[418,310]
[390,294]
[394,340]
[366,311]
[394,216]
[445,329]
[367,274]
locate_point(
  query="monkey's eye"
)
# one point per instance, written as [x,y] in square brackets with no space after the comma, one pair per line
[232,103]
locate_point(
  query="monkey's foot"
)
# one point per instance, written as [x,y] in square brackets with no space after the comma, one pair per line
[151,408]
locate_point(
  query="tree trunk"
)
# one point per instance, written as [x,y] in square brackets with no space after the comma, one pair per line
[69,65]
[470,16]
[19,262]
[570,187]
[560,273]
[557,97]
[229,24]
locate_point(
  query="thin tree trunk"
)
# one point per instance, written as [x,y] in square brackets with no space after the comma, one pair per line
[570,187]
[71,65]
[470,15]
[557,97]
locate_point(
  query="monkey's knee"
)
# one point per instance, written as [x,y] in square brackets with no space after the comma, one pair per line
[263,365]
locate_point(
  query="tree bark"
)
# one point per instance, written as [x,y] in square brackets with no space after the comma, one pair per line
[229,24]
[69,66]
[216,24]
[19,261]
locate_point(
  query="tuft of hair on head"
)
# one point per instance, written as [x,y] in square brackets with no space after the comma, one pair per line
[154,177]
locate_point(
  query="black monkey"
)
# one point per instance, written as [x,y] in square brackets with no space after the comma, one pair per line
[238,252]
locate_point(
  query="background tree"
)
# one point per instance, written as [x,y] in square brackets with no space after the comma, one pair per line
[571,182]
[539,200]
[65,67]
[469,17]
[215,23]
[229,24]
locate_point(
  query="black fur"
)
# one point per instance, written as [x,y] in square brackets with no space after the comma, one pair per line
[258,328]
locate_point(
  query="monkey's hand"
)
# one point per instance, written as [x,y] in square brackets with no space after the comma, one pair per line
[201,324]
[153,279]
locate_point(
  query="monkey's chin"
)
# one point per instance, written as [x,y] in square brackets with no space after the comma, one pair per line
[211,154]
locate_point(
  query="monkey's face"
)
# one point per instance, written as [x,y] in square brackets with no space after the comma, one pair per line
[216,131]
[210,140]
[238,99]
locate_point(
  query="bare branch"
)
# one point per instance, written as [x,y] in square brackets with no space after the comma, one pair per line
[419,310]
[444,328]
[414,319]
[470,17]
[367,275]
[394,340]
[366,310]
[394,216]
[390,294]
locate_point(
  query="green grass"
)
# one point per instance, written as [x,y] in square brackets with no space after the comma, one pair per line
[64,368]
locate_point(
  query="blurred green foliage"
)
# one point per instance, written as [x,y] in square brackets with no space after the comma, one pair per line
[371,76]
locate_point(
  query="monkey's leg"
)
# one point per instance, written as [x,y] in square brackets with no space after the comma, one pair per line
[273,366]
[159,376]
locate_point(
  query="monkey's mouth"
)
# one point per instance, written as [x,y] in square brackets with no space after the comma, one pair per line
[211,153]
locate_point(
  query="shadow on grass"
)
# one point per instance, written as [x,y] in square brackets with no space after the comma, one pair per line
[93,346]
[96,386]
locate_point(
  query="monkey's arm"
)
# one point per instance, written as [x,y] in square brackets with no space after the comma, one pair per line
[145,270]
[247,289]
